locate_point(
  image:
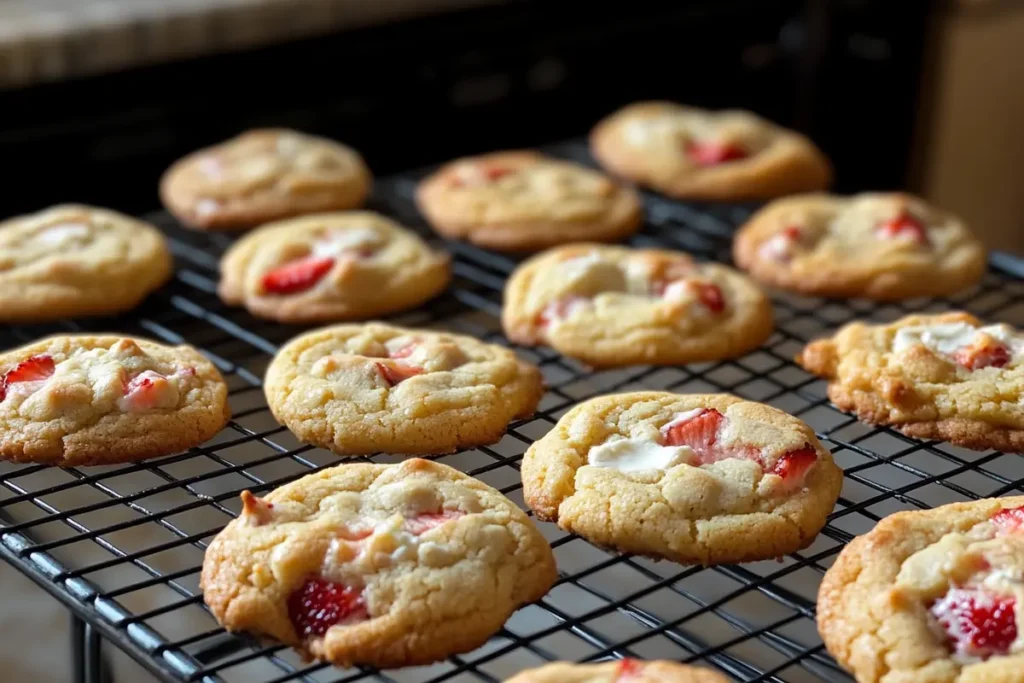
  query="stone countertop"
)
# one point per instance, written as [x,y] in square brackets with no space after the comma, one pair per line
[51,40]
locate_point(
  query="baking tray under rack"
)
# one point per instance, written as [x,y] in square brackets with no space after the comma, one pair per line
[121,546]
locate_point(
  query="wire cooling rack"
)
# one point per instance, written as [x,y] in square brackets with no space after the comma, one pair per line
[122,546]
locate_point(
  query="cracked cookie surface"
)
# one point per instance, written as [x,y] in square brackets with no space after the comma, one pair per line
[881,246]
[263,175]
[693,478]
[621,671]
[930,596]
[382,565]
[524,201]
[98,400]
[333,266]
[359,389]
[948,377]
[73,260]
[693,153]
[610,306]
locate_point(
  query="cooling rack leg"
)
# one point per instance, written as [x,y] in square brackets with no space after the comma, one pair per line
[87,663]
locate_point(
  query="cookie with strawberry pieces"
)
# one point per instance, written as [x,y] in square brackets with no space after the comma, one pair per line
[330,267]
[696,479]
[621,671]
[693,153]
[930,595]
[262,175]
[613,306]
[874,245]
[72,260]
[377,565]
[85,400]
[948,377]
[361,389]
[524,201]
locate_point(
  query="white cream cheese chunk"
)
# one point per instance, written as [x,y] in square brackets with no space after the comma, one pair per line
[638,454]
[946,338]
[337,242]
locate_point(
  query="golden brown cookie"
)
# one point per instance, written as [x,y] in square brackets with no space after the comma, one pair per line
[264,175]
[382,565]
[880,246]
[693,478]
[621,671]
[693,153]
[523,201]
[931,596]
[332,266]
[360,389]
[610,306]
[948,377]
[73,260]
[98,400]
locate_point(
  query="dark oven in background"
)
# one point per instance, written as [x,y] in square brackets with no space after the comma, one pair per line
[516,74]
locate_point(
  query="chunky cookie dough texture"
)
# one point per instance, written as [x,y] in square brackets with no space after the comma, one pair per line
[360,389]
[612,306]
[98,400]
[693,478]
[931,595]
[73,260]
[950,377]
[693,153]
[264,175]
[378,565]
[523,201]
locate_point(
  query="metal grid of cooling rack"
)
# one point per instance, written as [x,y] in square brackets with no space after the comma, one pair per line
[122,546]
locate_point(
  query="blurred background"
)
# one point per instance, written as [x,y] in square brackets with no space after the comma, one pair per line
[98,97]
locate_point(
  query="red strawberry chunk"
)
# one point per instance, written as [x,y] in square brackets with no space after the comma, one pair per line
[421,524]
[978,623]
[297,276]
[793,466]
[480,174]
[1009,520]
[34,369]
[404,352]
[147,390]
[904,225]
[320,604]
[711,296]
[714,153]
[397,373]
[559,310]
[628,669]
[983,353]
[699,432]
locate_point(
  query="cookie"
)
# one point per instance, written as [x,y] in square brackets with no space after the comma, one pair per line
[523,201]
[360,389]
[98,400]
[72,260]
[932,596]
[332,266]
[264,175]
[692,153]
[620,671]
[611,306]
[948,377]
[708,479]
[881,246]
[378,565]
